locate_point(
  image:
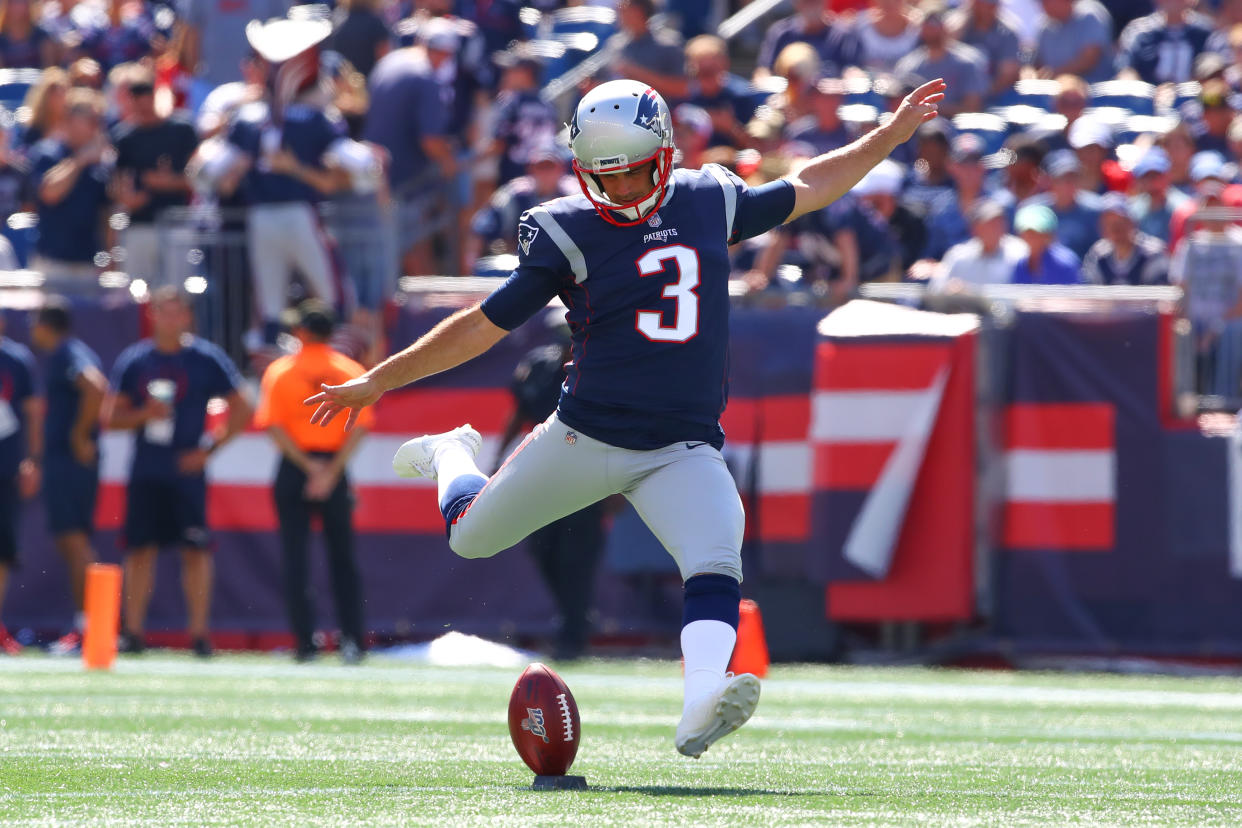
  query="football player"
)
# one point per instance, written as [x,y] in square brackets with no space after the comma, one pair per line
[640,260]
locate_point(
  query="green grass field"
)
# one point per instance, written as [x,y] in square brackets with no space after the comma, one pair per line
[168,740]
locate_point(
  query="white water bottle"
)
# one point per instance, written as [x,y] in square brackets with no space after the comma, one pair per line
[160,431]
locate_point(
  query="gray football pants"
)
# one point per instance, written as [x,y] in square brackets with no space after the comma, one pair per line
[685,495]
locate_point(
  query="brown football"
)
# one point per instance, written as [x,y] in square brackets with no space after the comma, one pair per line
[543,721]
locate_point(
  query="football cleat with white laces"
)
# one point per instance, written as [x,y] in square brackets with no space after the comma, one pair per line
[417,457]
[717,714]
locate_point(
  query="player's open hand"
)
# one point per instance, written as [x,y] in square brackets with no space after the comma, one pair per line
[919,107]
[351,396]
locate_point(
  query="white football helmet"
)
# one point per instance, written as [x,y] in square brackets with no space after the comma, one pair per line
[617,126]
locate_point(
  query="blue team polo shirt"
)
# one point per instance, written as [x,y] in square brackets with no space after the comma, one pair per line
[1059,266]
[17,385]
[305,131]
[65,364]
[69,230]
[199,370]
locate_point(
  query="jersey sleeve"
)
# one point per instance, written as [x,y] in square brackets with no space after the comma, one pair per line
[538,277]
[223,376]
[752,211]
[125,376]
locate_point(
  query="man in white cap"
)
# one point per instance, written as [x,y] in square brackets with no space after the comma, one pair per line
[1092,141]
[285,141]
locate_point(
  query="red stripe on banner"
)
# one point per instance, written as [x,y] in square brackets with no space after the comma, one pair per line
[904,367]
[1059,426]
[398,509]
[739,420]
[785,517]
[854,466]
[431,410]
[1072,527]
[110,506]
[786,417]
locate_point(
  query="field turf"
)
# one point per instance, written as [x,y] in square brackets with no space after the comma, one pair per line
[167,740]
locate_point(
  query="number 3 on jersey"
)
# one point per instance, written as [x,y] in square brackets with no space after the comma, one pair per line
[650,323]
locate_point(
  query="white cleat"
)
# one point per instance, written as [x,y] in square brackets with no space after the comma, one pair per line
[417,457]
[717,714]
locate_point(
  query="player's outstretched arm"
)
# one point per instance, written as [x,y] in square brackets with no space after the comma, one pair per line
[824,179]
[460,338]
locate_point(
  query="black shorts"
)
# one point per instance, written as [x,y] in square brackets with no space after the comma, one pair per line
[10,513]
[167,513]
[69,491]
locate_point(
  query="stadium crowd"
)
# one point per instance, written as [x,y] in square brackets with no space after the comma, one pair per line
[1079,138]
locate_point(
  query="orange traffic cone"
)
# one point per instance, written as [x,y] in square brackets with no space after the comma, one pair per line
[750,654]
[103,615]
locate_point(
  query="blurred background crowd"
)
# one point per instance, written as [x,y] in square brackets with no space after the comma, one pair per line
[1083,142]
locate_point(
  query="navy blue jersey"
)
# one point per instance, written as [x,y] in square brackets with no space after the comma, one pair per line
[648,305]
[69,230]
[306,132]
[199,370]
[17,385]
[524,123]
[70,360]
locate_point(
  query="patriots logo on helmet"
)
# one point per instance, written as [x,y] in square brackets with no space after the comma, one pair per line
[574,131]
[648,115]
[526,235]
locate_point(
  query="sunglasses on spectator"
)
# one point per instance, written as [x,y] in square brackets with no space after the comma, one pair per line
[141,89]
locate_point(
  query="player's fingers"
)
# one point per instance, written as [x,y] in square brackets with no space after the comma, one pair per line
[351,419]
[936,98]
[318,413]
[928,88]
[330,415]
[315,399]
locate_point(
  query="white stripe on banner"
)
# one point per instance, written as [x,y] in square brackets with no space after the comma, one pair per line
[873,537]
[864,416]
[1234,461]
[1061,476]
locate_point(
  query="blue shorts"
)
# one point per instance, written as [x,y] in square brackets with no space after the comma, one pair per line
[69,491]
[161,512]
[10,512]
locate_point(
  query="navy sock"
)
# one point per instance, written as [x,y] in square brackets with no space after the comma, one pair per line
[458,497]
[712,597]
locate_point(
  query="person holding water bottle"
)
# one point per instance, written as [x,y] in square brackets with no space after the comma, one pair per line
[162,388]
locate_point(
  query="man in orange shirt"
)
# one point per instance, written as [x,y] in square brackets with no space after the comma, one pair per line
[311,478]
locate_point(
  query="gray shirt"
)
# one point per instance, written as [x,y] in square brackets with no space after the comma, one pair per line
[998,44]
[1089,25]
[963,68]
[221,27]
[660,52]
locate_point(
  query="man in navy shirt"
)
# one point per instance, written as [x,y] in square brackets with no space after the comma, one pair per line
[837,46]
[21,453]
[641,261]
[75,391]
[286,139]
[70,179]
[162,388]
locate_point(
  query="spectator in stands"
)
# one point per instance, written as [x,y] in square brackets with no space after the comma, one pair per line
[822,130]
[1047,262]
[161,390]
[1162,47]
[1123,255]
[24,43]
[75,388]
[692,135]
[1026,158]
[651,56]
[929,178]
[798,64]
[1154,202]
[311,479]
[151,156]
[964,68]
[988,258]
[524,122]
[1179,144]
[21,455]
[983,25]
[214,37]
[1071,101]
[1212,134]
[812,23]
[1208,265]
[86,72]
[495,227]
[220,105]
[125,34]
[888,31]
[878,194]
[1212,177]
[727,98]
[947,222]
[360,34]
[1077,211]
[286,140]
[1092,141]
[15,185]
[1075,38]
[409,119]
[1234,139]
[45,101]
[71,171]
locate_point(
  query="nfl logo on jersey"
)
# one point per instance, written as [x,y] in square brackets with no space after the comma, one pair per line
[655,220]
